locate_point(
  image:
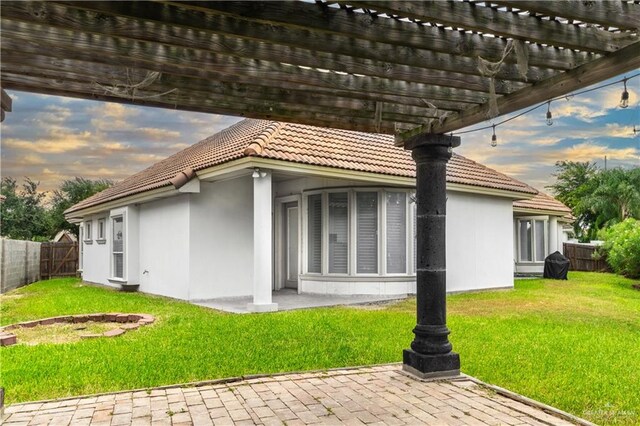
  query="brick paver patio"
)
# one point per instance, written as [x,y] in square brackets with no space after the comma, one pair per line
[380,395]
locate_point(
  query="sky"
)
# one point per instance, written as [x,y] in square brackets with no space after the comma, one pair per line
[51,139]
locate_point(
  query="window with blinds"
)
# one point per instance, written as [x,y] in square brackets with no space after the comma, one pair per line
[367,232]
[314,226]
[396,203]
[338,233]
[118,247]
[357,231]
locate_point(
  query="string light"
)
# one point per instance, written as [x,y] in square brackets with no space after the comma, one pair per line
[624,99]
[624,103]
[494,138]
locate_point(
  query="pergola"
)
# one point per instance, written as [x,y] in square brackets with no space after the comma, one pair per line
[419,70]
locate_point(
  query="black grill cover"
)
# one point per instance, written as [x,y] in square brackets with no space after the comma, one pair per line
[556,266]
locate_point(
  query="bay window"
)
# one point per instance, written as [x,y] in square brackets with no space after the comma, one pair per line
[358,231]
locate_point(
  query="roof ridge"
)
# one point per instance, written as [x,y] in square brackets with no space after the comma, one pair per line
[259,144]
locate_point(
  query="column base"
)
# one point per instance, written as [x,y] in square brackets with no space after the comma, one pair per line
[431,366]
[262,307]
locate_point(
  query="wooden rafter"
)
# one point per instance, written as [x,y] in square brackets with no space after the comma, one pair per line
[506,24]
[619,14]
[329,27]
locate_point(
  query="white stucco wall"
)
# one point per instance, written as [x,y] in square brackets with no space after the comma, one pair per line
[164,247]
[96,262]
[479,242]
[221,245]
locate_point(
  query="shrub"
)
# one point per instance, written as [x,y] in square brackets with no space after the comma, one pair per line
[622,244]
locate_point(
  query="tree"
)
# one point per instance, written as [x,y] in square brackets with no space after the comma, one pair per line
[598,199]
[71,192]
[616,196]
[574,183]
[23,215]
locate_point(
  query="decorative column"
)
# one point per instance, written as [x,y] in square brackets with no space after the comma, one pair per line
[262,243]
[430,354]
[553,234]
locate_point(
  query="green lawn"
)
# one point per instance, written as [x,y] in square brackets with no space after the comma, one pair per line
[574,345]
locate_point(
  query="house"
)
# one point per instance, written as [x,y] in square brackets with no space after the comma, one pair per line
[266,205]
[541,226]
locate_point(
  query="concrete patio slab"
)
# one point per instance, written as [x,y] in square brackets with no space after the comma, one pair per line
[289,299]
[379,395]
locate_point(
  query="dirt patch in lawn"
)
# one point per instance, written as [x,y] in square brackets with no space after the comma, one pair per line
[61,333]
[71,328]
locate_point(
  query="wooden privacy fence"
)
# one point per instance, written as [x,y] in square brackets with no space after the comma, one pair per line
[581,257]
[58,260]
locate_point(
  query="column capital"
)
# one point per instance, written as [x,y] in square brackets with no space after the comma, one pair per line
[431,139]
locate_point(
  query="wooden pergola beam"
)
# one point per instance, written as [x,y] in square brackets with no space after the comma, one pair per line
[107,74]
[619,14]
[624,60]
[103,83]
[46,56]
[272,73]
[137,27]
[206,104]
[490,21]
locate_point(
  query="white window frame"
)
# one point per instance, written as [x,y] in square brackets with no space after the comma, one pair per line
[102,237]
[124,249]
[88,232]
[533,246]
[352,246]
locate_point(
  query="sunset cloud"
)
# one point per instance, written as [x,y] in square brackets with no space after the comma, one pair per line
[51,139]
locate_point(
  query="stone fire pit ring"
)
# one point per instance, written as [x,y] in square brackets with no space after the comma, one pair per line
[129,322]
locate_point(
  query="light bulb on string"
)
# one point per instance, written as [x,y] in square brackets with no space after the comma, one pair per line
[624,99]
[549,115]
[494,138]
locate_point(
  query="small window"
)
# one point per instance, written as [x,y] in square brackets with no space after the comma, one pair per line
[101,230]
[118,247]
[87,232]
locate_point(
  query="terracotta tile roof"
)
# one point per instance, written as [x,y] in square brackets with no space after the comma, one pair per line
[304,144]
[543,201]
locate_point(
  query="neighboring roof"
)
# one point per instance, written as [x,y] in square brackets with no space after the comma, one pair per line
[318,146]
[64,233]
[545,202]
